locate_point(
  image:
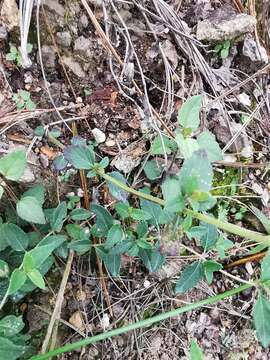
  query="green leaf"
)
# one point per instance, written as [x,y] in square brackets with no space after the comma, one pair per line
[9,350]
[171,190]
[265,267]
[160,216]
[190,277]
[4,269]
[116,191]
[195,351]
[261,318]
[196,232]
[17,280]
[45,248]
[142,229]
[222,245]
[152,170]
[80,214]
[28,262]
[36,278]
[189,113]
[12,165]
[58,217]
[38,192]
[196,169]
[122,210]
[144,244]
[139,215]
[210,237]
[104,219]
[160,147]
[210,267]
[207,141]
[73,230]
[80,246]
[15,237]
[81,157]
[29,209]
[186,146]
[263,218]
[11,325]
[112,262]
[39,131]
[115,235]
[152,259]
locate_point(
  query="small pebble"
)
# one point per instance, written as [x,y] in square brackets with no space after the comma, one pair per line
[110,143]
[99,135]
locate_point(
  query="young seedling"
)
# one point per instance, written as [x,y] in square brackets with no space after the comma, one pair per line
[15,54]
[23,100]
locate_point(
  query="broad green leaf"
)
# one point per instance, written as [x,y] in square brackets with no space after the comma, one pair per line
[144,244]
[142,228]
[196,169]
[81,157]
[207,141]
[104,219]
[210,237]
[189,113]
[261,318]
[45,248]
[12,165]
[11,325]
[265,267]
[210,267]
[263,218]
[73,231]
[186,146]
[28,262]
[112,262]
[196,232]
[140,215]
[122,210]
[1,191]
[4,269]
[160,147]
[29,209]
[118,193]
[17,280]
[115,235]
[152,259]
[9,350]
[38,192]
[122,247]
[58,217]
[190,277]
[152,170]
[16,238]
[60,163]
[171,190]
[36,278]
[80,246]
[195,351]
[80,214]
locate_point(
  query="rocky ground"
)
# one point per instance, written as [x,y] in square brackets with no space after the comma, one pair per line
[102,68]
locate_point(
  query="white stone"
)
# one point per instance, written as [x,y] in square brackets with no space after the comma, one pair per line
[99,135]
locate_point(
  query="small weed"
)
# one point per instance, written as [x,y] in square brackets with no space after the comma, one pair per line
[223,49]
[23,100]
[15,54]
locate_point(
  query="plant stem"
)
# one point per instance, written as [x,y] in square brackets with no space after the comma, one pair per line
[228,227]
[142,323]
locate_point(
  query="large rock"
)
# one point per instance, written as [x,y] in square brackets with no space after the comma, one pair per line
[10,14]
[225,24]
[254,51]
[73,66]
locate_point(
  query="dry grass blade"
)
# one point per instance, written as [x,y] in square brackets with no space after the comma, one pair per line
[26,7]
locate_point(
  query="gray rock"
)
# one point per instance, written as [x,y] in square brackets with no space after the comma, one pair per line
[74,66]
[99,135]
[225,25]
[254,51]
[63,39]
[83,21]
[54,6]
[3,33]
[48,57]
[10,14]
[82,47]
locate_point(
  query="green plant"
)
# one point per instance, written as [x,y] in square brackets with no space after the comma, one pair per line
[223,49]
[23,100]
[15,54]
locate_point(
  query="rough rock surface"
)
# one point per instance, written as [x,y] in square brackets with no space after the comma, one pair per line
[10,14]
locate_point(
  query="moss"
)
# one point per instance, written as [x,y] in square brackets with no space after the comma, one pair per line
[225,182]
